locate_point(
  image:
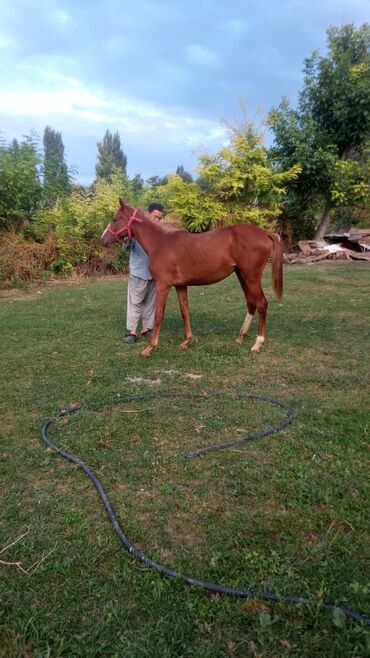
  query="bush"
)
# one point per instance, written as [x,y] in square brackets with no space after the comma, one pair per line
[24,261]
[85,212]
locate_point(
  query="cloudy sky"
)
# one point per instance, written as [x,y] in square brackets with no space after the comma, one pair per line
[163,73]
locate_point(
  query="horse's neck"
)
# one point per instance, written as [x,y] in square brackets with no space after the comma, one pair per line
[148,234]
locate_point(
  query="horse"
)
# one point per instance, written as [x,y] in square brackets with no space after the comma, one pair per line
[179,258]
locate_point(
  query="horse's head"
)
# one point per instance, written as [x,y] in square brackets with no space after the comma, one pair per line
[120,226]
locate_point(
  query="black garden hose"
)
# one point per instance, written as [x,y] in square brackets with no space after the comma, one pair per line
[137,553]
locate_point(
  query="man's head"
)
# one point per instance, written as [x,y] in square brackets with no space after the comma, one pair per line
[155,211]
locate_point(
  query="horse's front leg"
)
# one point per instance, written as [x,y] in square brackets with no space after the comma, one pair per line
[182,294]
[162,291]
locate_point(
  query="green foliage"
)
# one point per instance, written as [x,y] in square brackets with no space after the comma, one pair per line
[337,89]
[186,177]
[197,211]
[63,263]
[239,185]
[25,261]
[20,187]
[242,176]
[56,174]
[330,127]
[297,141]
[351,184]
[110,157]
[85,213]
[156,181]
[137,184]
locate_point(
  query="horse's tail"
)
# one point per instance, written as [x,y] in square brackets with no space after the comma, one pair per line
[277,264]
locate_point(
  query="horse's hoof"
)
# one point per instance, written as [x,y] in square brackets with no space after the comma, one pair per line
[239,340]
[145,353]
[184,345]
[259,341]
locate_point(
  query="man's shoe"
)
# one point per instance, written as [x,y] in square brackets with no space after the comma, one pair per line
[147,335]
[130,339]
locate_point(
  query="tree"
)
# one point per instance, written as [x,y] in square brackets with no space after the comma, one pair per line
[56,175]
[239,185]
[186,177]
[330,130]
[84,213]
[110,157]
[137,184]
[20,187]
[155,181]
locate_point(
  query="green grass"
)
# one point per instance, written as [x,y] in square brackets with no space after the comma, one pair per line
[287,514]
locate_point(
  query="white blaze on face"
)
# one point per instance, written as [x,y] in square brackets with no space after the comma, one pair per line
[103,234]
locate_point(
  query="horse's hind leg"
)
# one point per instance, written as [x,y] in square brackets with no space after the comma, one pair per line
[261,305]
[250,313]
[247,323]
[256,300]
[182,295]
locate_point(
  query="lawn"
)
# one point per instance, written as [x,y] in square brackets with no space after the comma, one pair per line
[287,514]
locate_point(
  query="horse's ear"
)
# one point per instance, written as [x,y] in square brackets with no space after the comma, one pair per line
[122,203]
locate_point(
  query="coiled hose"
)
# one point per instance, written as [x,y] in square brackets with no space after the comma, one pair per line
[137,553]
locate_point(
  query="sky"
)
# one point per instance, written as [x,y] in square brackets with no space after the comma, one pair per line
[166,75]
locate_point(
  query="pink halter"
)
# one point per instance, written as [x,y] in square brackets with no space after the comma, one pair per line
[125,228]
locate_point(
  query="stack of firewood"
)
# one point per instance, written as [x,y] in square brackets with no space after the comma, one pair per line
[312,251]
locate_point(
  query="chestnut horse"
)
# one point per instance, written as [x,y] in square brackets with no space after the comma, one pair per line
[179,258]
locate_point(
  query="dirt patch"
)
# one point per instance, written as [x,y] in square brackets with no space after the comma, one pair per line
[34,292]
[182,535]
[19,295]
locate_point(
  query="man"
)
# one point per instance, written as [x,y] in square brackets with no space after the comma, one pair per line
[141,286]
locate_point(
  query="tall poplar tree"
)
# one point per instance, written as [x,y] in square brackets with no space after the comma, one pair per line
[186,177]
[110,156]
[55,170]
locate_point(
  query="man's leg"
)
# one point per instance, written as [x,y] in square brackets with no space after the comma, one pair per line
[136,292]
[149,306]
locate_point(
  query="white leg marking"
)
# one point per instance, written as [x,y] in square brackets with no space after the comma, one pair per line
[246,324]
[244,328]
[259,341]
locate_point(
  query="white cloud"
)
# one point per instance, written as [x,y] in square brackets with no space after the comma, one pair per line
[64,101]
